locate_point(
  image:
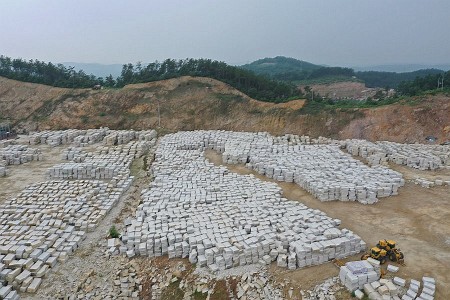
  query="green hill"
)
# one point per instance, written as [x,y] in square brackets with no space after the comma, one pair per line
[294,70]
[278,65]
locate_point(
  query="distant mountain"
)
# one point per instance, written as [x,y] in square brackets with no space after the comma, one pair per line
[278,65]
[98,70]
[293,70]
[401,68]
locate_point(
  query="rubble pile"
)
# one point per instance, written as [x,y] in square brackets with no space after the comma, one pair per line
[124,284]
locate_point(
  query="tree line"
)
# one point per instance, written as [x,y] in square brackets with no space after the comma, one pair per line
[440,81]
[46,73]
[321,72]
[255,86]
[392,79]
[58,75]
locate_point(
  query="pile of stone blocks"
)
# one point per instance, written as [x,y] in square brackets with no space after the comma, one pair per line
[82,138]
[426,183]
[326,172]
[105,163]
[356,274]
[125,136]
[18,154]
[218,219]
[12,154]
[353,276]
[323,170]
[293,139]
[3,171]
[417,290]
[46,222]
[418,156]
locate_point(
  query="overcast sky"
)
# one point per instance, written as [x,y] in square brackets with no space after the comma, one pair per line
[332,32]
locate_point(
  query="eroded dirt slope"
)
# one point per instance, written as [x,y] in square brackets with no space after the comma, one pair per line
[189,103]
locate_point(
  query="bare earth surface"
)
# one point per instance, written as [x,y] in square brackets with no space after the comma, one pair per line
[344,89]
[191,103]
[418,219]
[29,173]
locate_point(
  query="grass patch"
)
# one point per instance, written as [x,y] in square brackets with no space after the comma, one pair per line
[113,233]
[172,292]
[198,296]
[316,106]
[226,101]
[84,119]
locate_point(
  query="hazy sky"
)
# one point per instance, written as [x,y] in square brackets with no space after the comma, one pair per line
[333,32]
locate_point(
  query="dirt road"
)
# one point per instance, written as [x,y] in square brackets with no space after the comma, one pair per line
[418,219]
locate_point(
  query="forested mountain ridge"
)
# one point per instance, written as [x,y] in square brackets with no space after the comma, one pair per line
[58,75]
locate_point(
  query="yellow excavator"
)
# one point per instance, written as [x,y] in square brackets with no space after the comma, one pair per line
[376,253]
[393,253]
[385,249]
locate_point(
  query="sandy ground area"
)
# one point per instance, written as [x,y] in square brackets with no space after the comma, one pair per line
[29,173]
[418,219]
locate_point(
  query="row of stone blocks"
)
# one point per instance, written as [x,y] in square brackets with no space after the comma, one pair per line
[418,156]
[220,219]
[103,164]
[46,222]
[81,138]
[324,170]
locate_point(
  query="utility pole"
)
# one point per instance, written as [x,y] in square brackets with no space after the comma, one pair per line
[441,82]
[159,114]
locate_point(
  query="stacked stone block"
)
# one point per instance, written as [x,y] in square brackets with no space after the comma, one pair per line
[218,219]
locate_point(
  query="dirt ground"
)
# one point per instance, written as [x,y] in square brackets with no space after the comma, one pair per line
[418,219]
[29,173]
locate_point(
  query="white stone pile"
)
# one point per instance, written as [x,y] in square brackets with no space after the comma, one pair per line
[82,138]
[106,163]
[355,274]
[418,156]
[363,277]
[326,172]
[74,154]
[323,170]
[218,219]
[125,136]
[18,154]
[46,222]
[426,183]
[5,143]
[91,136]
[293,139]
[54,138]
[3,171]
